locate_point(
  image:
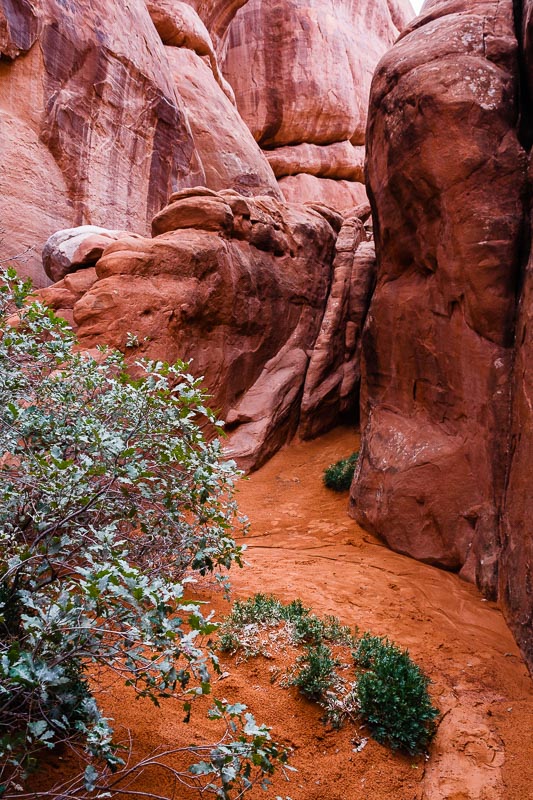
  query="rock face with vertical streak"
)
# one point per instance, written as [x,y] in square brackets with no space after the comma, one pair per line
[291,104]
[106,108]
[448,207]
[332,381]
[93,129]
[447,181]
[94,96]
[516,562]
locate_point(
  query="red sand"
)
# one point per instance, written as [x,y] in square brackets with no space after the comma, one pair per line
[303,544]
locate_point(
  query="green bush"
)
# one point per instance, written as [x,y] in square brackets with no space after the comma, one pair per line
[393,696]
[315,672]
[388,691]
[248,616]
[109,496]
[339,476]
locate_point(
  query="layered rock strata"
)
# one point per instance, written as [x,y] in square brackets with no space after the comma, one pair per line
[447,181]
[309,120]
[245,288]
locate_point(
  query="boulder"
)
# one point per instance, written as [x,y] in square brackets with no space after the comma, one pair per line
[341,161]
[245,306]
[76,248]
[204,213]
[310,122]
[340,195]
[179,26]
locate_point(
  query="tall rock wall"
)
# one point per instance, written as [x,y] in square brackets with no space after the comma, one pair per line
[304,94]
[106,108]
[516,562]
[447,177]
[93,128]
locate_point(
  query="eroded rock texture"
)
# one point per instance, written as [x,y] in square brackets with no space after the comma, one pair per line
[305,92]
[108,107]
[93,127]
[516,562]
[242,286]
[447,179]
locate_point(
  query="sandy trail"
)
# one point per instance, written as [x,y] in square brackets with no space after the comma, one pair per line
[303,544]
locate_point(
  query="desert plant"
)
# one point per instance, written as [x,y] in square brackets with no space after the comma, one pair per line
[339,476]
[315,672]
[243,627]
[109,497]
[388,690]
[393,695]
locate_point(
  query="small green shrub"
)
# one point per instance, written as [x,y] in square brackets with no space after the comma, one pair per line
[242,628]
[313,630]
[315,673]
[388,690]
[339,476]
[393,696]
[259,608]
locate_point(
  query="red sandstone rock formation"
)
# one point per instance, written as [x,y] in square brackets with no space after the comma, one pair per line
[240,286]
[331,387]
[91,98]
[447,177]
[307,83]
[516,561]
[107,107]
[93,127]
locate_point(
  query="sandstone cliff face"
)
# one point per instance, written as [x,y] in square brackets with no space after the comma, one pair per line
[93,129]
[447,180]
[305,93]
[108,107]
[516,562]
[240,286]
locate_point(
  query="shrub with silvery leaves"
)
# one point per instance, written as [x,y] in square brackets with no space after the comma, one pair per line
[110,499]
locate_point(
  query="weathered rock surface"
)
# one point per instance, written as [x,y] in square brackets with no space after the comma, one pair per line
[282,95]
[248,289]
[217,15]
[179,25]
[339,195]
[516,561]
[74,248]
[95,94]
[93,129]
[341,160]
[447,177]
[313,115]
[108,107]
[331,389]
[228,153]
[19,28]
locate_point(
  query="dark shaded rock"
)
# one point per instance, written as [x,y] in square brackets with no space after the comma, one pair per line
[448,207]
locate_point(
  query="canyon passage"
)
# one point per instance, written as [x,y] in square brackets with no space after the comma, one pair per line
[325,207]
